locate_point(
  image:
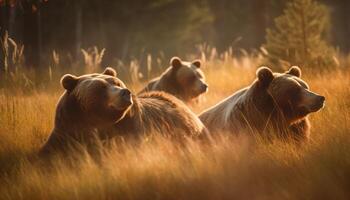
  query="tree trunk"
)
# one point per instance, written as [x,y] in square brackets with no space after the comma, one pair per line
[32,36]
[346,23]
[260,21]
[3,29]
[78,28]
[39,36]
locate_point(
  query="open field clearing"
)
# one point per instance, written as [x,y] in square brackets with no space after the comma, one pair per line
[228,168]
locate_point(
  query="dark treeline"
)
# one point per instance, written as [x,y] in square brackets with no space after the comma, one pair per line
[129,28]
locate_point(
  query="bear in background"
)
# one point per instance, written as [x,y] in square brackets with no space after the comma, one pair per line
[277,103]
[96,102]
[184,80]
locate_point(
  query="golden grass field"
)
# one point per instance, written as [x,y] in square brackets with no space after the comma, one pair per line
[229,168]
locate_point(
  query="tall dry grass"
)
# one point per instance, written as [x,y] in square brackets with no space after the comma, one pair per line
[229,168]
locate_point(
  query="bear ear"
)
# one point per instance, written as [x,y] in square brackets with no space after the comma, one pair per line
[265,75]
[295,71]
[176,62]
[69,82]
[110,71]
[197,63]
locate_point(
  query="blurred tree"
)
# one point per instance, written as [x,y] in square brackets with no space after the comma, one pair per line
[242,23]
[298,36]
[340,10]
[135,28]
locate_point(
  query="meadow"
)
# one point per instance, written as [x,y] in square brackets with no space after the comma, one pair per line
[228,168]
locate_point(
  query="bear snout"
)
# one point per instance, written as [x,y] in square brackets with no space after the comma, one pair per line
[318,103]
[321,101]
[204,88]
[125,94]
[120,98]
[321,98]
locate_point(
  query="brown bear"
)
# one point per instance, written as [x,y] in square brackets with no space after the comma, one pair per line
[89,102]
[93,102]
[158,113]
[277,102]
[184,80]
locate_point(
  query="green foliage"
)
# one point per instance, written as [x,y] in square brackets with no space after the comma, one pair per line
[298,37]
[181,26]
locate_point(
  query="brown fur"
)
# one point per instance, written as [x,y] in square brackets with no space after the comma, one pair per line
[93,103]
[278,103]
[182,79]
[158,113]
[89,102]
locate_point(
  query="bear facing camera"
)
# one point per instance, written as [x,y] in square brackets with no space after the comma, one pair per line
[184,80]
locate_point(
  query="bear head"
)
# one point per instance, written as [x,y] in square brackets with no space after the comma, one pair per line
[101,98]
[189,77]
[290,93]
